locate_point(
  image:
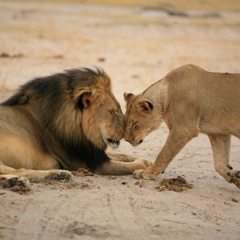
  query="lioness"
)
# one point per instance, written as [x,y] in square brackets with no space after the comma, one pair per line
[190,100]
[65,121]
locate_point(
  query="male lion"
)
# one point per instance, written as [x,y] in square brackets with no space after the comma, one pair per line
[62,121]
[190,100]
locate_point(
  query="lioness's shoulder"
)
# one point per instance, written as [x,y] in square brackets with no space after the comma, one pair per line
[188,68]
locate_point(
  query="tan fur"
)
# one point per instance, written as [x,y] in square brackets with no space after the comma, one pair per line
[63,121]
[190,100]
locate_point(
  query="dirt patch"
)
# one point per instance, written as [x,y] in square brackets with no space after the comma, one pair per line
[82,172]
[83,229]
[7,55]
[178,184]
[21,190]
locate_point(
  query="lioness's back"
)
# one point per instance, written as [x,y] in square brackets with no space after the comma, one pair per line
[194,83]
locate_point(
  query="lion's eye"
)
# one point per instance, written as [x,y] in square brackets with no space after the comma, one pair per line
[112,112]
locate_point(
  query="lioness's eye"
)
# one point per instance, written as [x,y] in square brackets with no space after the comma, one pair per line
[134,125]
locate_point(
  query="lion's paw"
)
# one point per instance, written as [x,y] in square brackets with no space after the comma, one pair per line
[138,173]
[146,163]
[144,174]
[9,181]
[60,175]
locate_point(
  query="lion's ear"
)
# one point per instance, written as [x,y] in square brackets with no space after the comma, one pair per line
[23,99]
[145,107]
[19,98]
[84,98]
[128,96]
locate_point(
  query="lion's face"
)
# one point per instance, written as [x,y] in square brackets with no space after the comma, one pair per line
[102,118]
[111,122]
[141,118]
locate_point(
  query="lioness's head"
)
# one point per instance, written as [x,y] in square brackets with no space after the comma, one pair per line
[141,118]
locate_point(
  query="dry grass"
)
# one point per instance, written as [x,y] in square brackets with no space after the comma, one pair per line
[198,5]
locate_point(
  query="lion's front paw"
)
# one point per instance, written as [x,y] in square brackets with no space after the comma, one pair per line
[147,174]
[60,175]
[144,163]
[9,181]
[138,173]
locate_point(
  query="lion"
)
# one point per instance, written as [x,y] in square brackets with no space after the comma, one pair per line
[191,101]
[63,122]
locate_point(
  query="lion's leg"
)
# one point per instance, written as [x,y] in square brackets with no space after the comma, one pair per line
[122,168]
[221,149]
[20,176]
[176,140]
[121,157]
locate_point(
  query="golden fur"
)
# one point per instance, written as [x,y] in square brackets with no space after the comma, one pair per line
[190,100]
[63,121]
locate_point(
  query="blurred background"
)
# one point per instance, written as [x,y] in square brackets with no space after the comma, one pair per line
[136,42]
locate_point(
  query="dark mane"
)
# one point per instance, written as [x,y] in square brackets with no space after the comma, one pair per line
[44,101]
[49,86]
[85,152]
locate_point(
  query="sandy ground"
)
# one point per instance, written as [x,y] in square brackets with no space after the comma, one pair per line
[136,47]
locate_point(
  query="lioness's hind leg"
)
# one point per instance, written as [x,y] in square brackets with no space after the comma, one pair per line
[221,149]
[121,157]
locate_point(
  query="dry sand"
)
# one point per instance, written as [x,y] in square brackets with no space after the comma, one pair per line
[136,47]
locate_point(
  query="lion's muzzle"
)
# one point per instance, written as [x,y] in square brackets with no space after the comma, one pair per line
[117,142]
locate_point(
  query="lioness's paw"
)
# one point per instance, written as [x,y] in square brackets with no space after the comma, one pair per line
[60,175]
[235,178]
[9,181]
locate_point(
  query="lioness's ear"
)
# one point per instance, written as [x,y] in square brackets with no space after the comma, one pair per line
[128,96]
[145,107]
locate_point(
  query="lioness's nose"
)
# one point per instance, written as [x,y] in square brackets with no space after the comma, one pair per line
[126,137]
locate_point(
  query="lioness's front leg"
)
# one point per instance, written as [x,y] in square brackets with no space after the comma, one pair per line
[221,148]
[176,140]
